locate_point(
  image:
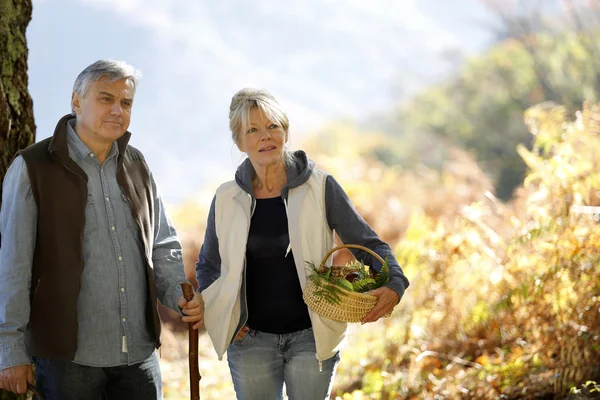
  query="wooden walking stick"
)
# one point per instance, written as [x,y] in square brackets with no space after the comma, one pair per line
[188,294]
[36,393]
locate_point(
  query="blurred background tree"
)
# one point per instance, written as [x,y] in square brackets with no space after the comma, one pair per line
[541,54]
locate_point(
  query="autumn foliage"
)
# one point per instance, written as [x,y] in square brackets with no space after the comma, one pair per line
[505,298]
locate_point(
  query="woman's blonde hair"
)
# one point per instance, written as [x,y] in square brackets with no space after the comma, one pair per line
[244,100]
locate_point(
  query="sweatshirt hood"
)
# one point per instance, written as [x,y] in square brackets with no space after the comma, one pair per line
[298,169]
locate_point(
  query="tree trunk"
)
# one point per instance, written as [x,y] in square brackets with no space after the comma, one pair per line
[17,127]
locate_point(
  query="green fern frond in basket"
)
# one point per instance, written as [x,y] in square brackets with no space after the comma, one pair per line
[363,285]
[383,276]
[363,271]
[312,267]
[365,281]
[343,283]
[329,293]
[315,271]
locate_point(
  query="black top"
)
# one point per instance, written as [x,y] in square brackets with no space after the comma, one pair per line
[274,295]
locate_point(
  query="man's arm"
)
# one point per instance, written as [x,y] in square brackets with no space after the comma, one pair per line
[166,256]
[18,226]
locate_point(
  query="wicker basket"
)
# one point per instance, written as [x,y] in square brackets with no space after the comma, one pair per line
[354,306]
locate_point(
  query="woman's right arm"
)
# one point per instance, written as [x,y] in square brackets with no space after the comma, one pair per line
[208,267]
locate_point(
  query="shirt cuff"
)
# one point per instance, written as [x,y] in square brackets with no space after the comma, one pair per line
[397,287]
[175,292]
[13,354]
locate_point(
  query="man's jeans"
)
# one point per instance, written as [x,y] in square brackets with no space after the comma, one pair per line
[261,362]
[65,380]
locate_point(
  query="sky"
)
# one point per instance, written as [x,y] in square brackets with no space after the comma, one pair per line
[323,60]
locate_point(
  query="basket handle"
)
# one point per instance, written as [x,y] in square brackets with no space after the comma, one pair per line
[353,246]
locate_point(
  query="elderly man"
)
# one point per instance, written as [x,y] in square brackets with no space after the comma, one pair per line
[87,248]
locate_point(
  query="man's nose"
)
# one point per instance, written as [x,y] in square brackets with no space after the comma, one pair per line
[116,109]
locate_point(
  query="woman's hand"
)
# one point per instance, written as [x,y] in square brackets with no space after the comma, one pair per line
[193,309]
[386,301]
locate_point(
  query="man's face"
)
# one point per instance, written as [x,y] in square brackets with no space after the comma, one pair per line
[104,113]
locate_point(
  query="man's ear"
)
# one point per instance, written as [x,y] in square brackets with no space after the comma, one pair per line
[75,103]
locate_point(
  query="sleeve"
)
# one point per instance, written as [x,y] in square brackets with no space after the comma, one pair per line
[208,267]
[352,228]
[166,256]
[18,228]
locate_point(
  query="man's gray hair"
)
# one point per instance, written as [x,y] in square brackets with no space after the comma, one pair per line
[112,70]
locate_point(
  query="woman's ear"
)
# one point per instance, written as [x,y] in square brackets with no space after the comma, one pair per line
[240,146]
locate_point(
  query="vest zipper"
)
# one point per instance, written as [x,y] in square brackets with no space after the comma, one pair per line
[289,248]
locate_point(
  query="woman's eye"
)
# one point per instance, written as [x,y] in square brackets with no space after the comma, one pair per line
[273,126]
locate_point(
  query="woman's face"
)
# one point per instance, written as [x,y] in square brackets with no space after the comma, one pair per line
[263,141]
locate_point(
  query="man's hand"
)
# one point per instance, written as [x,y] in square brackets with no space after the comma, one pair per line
[15,379]
[193,309]
[386,300]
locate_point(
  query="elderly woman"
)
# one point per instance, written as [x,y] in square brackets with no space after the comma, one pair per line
[278,214]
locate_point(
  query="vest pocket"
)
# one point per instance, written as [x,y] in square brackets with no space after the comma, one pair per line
[91,217]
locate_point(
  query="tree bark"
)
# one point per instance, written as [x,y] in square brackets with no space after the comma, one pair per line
[17,126]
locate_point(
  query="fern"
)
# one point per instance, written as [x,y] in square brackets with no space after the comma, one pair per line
[362,270]
[383,276]
[343,283]
[363,285]
[329,293]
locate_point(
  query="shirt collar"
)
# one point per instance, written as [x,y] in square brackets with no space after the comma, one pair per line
[79,150]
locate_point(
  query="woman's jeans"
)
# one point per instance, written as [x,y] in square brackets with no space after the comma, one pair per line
[261,362]
[65,380]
